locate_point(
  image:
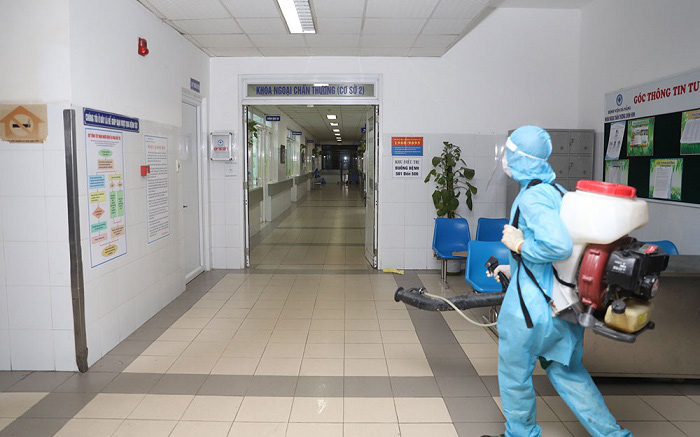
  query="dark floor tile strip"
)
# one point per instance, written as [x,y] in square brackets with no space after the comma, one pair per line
[312,244]
[320,227]
[28,426]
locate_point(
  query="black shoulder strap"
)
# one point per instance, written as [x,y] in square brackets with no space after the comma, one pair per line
[519,260]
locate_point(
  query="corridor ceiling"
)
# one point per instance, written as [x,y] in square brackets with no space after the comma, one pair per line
[343,27]
[351,119]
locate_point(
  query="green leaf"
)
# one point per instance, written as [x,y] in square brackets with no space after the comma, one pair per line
[473,189]
[436,161]
[436,198]
[469,202]
[469,173]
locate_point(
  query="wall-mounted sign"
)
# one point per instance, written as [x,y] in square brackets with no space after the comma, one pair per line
[106,194]
[407,167]
[194,85]
[407,146]
[23,123]
[272,118]
[296,133]
[334,90]
[363,130]
[673,94]
[93,117]
[221,146]
[310,141]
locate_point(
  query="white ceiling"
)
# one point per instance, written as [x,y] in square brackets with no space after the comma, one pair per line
[351,120]
[543,4]
[344,27]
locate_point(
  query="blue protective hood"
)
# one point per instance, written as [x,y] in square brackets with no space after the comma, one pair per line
[534,141]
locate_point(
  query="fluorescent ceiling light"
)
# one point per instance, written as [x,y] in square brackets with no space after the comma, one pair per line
[334,124]
[337,134]
[339,140]
[331,117]
[297,14]
[336,130]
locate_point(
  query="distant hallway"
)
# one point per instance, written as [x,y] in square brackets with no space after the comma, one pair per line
[326,230]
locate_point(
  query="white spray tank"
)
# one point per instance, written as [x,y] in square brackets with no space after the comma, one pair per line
[596,213]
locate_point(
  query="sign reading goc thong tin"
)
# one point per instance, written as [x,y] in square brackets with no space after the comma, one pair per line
[311,90]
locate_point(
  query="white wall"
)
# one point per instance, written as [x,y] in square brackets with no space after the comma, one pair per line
[82,52]
[625,43]
[36,316]
[108,74]
[518,66]
[36,319]
[34,42]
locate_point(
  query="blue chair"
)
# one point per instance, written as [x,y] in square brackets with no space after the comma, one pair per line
[667,246]
[449,236]
[490,229]
[475,272]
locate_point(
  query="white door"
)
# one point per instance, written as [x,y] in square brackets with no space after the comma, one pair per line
[371,205]
[189,161]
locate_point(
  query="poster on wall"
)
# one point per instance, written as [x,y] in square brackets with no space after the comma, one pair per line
[157,196]
[617,171]
[406,146]
[106,198]
[665,176]
[640,137]
[617,134]
[690,133]
[407,167]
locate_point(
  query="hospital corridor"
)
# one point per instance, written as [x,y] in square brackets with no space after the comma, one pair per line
[349,218]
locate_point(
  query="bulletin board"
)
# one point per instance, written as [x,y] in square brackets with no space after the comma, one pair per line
[652,138]
[112,148]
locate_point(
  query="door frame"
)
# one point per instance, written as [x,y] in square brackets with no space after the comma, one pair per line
[192,99]
[244,102]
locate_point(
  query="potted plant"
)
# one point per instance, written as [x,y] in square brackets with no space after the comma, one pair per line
[451,176]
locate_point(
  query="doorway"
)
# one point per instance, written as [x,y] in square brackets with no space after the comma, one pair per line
[309,170]
[189,159]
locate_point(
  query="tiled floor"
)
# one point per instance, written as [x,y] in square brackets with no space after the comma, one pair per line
[308,351]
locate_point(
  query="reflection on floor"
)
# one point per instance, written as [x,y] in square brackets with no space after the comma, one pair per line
[295,353]
[325,230]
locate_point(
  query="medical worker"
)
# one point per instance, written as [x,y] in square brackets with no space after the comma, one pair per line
[527,330]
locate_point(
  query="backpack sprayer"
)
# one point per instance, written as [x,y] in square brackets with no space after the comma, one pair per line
[610,279]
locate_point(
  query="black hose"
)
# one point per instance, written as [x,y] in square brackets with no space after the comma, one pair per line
[416,298]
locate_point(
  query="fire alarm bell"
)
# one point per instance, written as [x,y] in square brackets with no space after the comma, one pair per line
[143,47]
[145,170]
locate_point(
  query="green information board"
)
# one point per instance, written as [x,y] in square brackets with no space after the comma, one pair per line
[658,166]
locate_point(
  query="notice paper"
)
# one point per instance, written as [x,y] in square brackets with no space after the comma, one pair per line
[617,133]
[690,133]
[106,199]
[665,178]
[157,198]
[640,137]
[616,172]
[662,182]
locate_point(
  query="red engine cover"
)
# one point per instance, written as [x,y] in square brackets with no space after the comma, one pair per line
[591,276]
